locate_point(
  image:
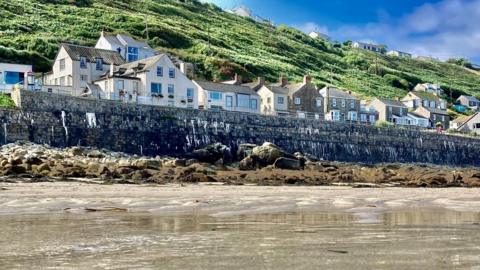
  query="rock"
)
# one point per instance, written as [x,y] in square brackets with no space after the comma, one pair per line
[18,169]
[3,163]
[140,175]
[288,164]
[95,154]
[245,150]
[33,160]
[267,154]
[247,164]
[148,164]
[77,151]
[43,167]
[212,153]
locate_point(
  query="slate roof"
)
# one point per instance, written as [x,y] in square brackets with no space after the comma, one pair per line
[463,119]
[141,65]
[91,54]
[392,102]
[431,110]
[424,96]
[469,98]
[278,89]
[221,87]
[337,93]
[124,40]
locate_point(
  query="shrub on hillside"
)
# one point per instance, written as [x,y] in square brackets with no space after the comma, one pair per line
[396,81]
[383,124]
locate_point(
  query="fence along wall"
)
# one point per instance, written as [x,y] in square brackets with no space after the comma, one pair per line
[65,121]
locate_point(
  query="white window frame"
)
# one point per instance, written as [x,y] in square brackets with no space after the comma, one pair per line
[298,101]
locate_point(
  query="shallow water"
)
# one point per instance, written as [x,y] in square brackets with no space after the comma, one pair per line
[360,238]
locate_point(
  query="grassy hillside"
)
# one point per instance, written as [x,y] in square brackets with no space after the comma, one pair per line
[220,44]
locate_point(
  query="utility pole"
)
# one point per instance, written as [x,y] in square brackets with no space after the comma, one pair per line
[146,26]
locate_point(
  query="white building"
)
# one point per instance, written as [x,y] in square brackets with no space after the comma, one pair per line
[395,53]
[12,75]
[242,11]
[431,88]
[130,49]
[315,35]
[367,46]
[151,81]
[228,97]
[76,66]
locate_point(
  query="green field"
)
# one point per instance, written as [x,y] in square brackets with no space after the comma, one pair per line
[220,44]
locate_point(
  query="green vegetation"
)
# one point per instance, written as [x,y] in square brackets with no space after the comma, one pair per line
[220,44]
[6,101]
[383,124]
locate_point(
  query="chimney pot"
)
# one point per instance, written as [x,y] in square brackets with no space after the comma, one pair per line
[112,69]
[307,79]
[261,80]
[238,79]
[283,81]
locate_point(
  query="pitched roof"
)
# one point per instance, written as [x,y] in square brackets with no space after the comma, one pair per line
[431,110]
[416,115]
[463,119]
[337,93]
[221,87]
[255,86]
[469,98]
[469,118]
[425,96]
[91,54]
[141,65]
[392,102]
[278,89]
[124,39]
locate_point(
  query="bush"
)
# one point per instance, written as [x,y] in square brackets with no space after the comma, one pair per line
[383,124]
[473,134]
[452,131]
[396,81]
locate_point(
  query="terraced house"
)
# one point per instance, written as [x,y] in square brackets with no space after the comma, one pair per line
[340,105]
[425,99]
[273,98]
[152,81]
[304,99]
[227,97]
[393,111]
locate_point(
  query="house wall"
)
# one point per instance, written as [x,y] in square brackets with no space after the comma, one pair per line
[273,107]
[4,67]
[222,103]
[444,119]
[338,106]
[152,131]
[472,125]
[308,101]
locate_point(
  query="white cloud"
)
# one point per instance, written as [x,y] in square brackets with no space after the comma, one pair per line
[450,28]
[311,26]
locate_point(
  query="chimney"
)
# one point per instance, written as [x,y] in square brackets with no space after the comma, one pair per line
[238,79]
[349,92]
[102,34]
[183,68]
[307,79]
[397,99]
[112,69]
[261,80]
[283,81]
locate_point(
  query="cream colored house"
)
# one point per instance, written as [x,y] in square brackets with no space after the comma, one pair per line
[76,66]
[151,81]
[227,97]
[274,100]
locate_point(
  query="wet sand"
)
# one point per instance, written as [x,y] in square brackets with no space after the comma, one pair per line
[221,201]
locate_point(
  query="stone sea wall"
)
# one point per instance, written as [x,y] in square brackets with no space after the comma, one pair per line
[66,121]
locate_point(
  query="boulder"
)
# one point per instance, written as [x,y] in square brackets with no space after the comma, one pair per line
[212,153]
[148,164]
[95,154]
[76,151]
[247,164]
[288,164]
[268,153]
[245,150]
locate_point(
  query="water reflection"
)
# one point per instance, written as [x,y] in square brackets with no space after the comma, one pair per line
[409,239]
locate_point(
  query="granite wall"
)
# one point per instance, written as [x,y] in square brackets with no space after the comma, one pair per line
[65,121]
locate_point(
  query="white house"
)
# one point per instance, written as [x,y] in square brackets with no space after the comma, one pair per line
[418,120]
[315,35]
[228,97]
[152,81]
[76,66]
[12,75]
[367,46]
[429,88]
[395,53]
[130,49]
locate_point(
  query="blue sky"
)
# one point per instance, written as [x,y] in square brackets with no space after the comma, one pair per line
[438,28]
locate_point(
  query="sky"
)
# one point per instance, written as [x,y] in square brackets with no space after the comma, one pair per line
[437,28]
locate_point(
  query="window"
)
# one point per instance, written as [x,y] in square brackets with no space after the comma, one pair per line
[442,105]
[343,103]
[135,86]
[229,101]
[132,54]
[215,95]
[425,103]
[269,100]
[160,71]
[99,64]
[363,117]
[83,62]
[434,117]
[156,88]
[62,64]
[476,126]
[334,102]
[190,93]
[253,104]
[352,104]
[171,89]
[335,115]
[401,111]
[84,78]
[62,80]
[280,100]
[372,119]
[14,77]
[352,116]
[443,118]
[318,102]
[171,73]
[432,104]
[298,101]
[120,85]
[390,109]
[243,100]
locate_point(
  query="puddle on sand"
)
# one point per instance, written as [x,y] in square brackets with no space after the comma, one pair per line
[361,239]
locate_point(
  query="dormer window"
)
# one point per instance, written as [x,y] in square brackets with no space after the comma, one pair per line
[171,73]
[83,62]
[99,64]
[132,54]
